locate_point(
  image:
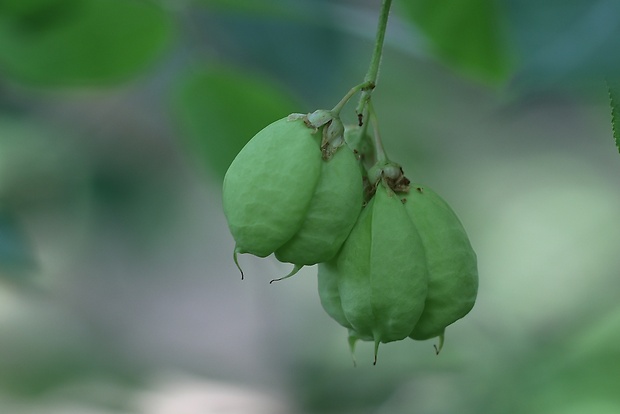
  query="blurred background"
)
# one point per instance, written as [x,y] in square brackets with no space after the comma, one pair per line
[118,119]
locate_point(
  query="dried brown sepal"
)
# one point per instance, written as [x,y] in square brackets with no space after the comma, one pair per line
[399,183]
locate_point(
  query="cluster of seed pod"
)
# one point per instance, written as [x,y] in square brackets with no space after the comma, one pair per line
[394,260]
[406,270]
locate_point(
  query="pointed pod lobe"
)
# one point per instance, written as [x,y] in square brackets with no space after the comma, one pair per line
[381,271]
[451,261]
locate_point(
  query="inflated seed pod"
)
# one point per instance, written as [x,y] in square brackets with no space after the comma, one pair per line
[451,262]
[381,273]
[281,195]
[333,209]
[268,186]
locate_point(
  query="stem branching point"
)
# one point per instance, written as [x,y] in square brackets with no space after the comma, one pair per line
[361,87]
[373,70]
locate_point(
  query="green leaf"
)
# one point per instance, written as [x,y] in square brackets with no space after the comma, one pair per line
[220,109]
[82,42]
[466,34]
[614,98]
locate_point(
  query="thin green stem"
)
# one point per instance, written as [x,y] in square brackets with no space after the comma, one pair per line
[373,70]
[336,110]
[364,126]
[379,150]
[375,61]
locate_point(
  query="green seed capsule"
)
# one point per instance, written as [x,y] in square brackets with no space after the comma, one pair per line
[335,205]
[269,185]
[280,194]
[381,272]
[451,261]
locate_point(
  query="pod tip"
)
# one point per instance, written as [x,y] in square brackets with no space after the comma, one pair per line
[352,341]
[296,268]
[236,259]
[377,342]
[441,341]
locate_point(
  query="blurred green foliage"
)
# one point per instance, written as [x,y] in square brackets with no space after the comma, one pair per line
[564,43]
[107,107]
[468,35]
[15,251]
[67,42]
[221,108]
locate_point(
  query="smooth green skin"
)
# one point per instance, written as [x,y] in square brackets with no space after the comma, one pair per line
[330,300]
[381,270]
[451,261]
[329,294]
[270,184]
[335,206]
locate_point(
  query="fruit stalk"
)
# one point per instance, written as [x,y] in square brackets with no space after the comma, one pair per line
[361,87]
[380,154]
[375,61]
